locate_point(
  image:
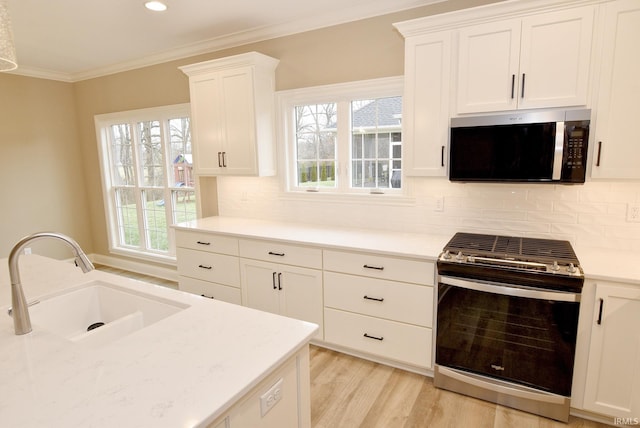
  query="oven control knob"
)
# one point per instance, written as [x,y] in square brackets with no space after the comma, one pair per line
[555,266]
[459,256]
[571,268]
[447,255]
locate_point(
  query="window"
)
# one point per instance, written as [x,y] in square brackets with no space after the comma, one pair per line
[146,162]
[344,138]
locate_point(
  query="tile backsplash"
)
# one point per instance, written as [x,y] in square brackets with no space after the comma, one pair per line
[593,214]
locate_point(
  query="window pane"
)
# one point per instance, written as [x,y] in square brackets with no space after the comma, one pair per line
[184,205]
[151,162]
[127,217]
[155,220]
[151,156]
[122,155]
[180,152]
[383,146]
[316,144]
[377,122]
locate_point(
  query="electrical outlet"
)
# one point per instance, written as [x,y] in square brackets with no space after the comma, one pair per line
[271,397]
[439,203]
[633,213]
[27,251]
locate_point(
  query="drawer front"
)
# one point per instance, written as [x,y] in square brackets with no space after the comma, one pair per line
[380,298]
[207,242]
[397,269]
[210,267]
[389,339]
[210,289]
[271,251]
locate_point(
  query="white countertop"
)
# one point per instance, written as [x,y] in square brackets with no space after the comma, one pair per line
[182,371]
[392,243]
[597,263]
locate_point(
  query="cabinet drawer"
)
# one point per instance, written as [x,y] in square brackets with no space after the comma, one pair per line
[271,251]
[393,268]
[380,298]
[202,241]
[389,339]
[211,267]
[210,289]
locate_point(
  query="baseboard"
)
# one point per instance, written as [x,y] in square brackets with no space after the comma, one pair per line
[137,267]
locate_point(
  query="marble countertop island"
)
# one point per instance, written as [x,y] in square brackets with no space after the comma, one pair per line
[183,371]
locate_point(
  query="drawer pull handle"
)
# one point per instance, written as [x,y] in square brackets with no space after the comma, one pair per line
[203,243]
[271,253]
[273,279]
[373,267]
[205,267]
[279,280]
[373,337]
[208,297]
[377,299]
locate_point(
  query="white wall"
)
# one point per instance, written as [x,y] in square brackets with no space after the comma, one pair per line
[593,214]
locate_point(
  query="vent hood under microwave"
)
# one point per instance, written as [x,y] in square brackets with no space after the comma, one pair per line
[545,146]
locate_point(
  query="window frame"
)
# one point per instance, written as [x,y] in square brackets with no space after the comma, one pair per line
[342,94]
[103,124]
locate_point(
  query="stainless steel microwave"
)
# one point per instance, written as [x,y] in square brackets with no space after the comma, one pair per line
[545,146]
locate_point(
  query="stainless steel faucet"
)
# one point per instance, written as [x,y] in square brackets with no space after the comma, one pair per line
[20,311]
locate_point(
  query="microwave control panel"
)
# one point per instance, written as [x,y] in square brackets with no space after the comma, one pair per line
[574,162]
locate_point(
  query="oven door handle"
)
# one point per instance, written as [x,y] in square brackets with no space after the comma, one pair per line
[511,290]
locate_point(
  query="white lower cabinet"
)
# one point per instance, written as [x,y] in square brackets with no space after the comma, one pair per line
[208,265]
[211,290]
[291,291]
[612,385]
[281,400]
[379,305]
[397,341]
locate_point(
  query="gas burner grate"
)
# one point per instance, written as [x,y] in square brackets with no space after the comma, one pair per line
[526,249]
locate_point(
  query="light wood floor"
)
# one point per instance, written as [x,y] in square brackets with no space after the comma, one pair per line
[349,392]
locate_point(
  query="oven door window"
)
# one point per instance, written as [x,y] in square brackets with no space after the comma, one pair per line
[523,340]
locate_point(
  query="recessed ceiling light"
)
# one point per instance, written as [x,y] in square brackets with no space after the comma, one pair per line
[156,6]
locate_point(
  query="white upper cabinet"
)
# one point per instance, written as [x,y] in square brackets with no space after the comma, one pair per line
[426,104]
[232,115]
[537,61]
[616,150]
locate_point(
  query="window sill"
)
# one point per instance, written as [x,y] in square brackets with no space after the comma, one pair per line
[169,260]
[352,198]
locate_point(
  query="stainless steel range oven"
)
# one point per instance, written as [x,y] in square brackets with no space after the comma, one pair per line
[507,321]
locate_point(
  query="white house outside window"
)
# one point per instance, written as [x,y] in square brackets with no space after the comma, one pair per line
[344,138]
[146,162]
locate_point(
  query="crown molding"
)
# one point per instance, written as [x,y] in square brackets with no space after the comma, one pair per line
[255,35]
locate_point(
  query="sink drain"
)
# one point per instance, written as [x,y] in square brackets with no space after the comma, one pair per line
[95,325]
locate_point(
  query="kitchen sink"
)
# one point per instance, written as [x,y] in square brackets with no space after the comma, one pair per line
[99,312]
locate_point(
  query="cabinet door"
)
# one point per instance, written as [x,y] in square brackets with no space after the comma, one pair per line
[613,371]
[206,123]
[426,104]
[615,151]
[301,295]
[555,57]
[488,67]
[285,290]
[239,149]
[260,285]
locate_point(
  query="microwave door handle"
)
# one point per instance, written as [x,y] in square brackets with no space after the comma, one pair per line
[558,154]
